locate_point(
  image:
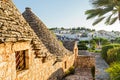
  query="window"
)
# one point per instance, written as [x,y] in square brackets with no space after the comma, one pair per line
[43,59]
[65,64]
[21,60]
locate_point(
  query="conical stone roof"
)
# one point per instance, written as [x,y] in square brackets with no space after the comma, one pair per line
[69,45]
[13,27]
[46,36]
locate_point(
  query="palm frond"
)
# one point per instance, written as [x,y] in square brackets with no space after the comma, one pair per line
[113,20]
[105,10]
[100,3]
[114,11]
[93,13]
[89,11]
[91,16]
[102,8]
[98,20]
[108,19]
[119,14]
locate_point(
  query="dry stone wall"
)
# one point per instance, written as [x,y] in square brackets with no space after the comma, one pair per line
[83,61]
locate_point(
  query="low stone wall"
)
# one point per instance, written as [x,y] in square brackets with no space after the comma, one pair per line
[83,61]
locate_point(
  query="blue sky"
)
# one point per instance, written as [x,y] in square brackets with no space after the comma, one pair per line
[63,13]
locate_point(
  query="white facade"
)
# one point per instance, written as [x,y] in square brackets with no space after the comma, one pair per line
[68,35]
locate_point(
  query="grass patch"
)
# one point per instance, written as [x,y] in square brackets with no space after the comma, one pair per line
[70,71]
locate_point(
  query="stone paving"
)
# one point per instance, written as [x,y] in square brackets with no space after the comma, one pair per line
[101,65]
[81,74]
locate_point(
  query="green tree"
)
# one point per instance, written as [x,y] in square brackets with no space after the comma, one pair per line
[93,44]
[84,35]
[82,45]
[62,28]
[117,40]
[101,8]
[102,41]
[78,28]
[73,29]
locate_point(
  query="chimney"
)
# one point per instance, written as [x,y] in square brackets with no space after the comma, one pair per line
[28,9]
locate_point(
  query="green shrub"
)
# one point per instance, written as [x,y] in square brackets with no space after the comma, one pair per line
[106,48]
[90,50]
[113,55]
[105,42]
[86,42]
[82,46]
[71,70]
[114,71]
[93,44]
[97,51]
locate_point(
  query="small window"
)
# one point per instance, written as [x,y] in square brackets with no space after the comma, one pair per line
[43,59]
[21,61]
[65,64]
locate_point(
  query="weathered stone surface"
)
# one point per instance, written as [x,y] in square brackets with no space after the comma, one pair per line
[46,36]
[81,74]
[13,28]
[69,45]
[83,61]
[17,35]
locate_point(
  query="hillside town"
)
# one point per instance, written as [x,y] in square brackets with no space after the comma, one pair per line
[84,34]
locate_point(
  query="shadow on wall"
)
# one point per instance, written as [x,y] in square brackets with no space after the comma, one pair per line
[57,75]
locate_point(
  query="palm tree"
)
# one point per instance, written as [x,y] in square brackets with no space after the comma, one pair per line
[104,9]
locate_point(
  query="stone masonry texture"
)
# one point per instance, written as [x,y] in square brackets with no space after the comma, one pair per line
[85,61]
[13,27]
[46,36]
[17,35]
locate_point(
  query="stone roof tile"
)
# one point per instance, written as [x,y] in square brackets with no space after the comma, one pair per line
[69,45]
[46,36]
[13,27]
